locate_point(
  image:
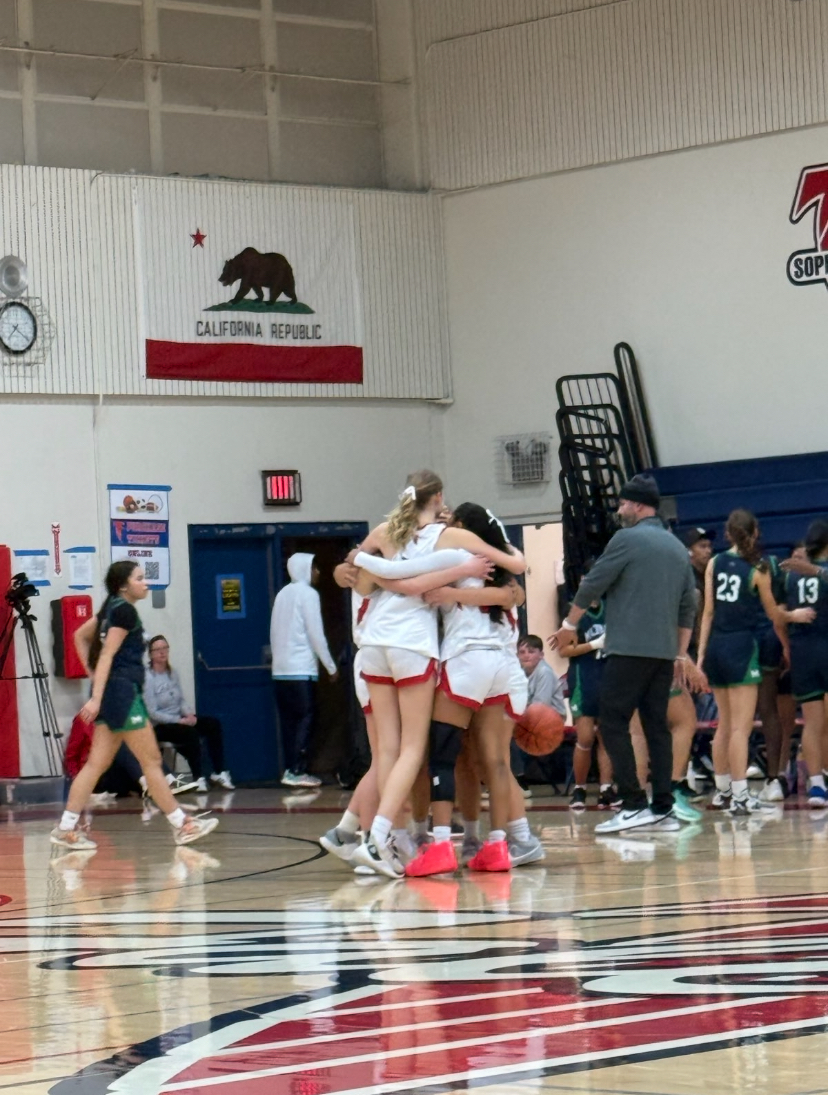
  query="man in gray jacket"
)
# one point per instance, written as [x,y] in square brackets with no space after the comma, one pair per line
[647,580]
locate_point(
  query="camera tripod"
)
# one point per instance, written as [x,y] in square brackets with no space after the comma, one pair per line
[45,707]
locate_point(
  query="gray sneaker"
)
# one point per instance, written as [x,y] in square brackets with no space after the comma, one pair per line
[526,851]
[471,846]
[342,845]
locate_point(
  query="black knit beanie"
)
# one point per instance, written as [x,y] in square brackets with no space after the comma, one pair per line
[643,489]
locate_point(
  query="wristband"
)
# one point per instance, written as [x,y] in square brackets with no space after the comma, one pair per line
[567,626]
[682,658]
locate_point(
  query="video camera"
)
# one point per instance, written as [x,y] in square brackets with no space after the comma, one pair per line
[19,593]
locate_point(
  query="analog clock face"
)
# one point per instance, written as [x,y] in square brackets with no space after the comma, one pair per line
[18,328]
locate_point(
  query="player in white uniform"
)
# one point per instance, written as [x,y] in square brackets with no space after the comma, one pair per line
[400,652]
[475,672]
[343,839]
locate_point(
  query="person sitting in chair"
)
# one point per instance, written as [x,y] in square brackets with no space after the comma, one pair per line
[176,722]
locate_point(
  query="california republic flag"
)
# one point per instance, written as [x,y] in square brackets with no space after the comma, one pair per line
[248,283]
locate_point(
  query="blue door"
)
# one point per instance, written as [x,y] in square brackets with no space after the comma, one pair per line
[235,574]
[231,646]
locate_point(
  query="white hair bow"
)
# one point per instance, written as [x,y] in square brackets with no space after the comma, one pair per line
[496,521]
[409,492]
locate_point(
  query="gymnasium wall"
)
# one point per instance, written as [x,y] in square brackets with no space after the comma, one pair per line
[509,89]
[79,412]
[58,457]
[682,255]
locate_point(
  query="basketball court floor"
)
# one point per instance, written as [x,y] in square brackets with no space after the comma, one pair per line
[252,964]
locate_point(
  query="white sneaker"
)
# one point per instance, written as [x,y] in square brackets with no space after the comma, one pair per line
[223,780]
[381,860]
[721,800]
[627,819]
[201,786]
[194,828]
[754,772]
[665,823]
[741,807]
[180,786]
[772,792]
[74,839]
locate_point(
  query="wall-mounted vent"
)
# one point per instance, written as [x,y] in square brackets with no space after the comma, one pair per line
[524,458]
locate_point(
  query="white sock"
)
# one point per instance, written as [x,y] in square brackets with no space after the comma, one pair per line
[723,784]
[813,781]
[739,788]
[349,823]
[170,778]
[471,828]
[143,781]
[68,821]
[420,827]
[442,833]
[177,818]
[497,835]
[605,787]
[380,829]
[519,829]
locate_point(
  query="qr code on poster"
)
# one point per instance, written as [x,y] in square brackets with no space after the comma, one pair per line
[152,571]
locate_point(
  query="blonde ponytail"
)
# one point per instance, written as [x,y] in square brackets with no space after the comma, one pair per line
[404,518]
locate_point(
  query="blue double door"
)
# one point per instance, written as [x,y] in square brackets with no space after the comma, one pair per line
[235,574]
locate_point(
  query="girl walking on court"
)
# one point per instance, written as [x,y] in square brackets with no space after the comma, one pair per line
[111,646]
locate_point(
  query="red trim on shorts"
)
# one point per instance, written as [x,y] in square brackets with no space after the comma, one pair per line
[502,701]
[430,672]
[406,682]
[445,687]
[376,680]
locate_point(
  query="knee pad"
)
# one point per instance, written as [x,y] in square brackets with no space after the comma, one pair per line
[444,743]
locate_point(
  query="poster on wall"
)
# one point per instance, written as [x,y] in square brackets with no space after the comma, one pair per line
[139,520]
[261,290]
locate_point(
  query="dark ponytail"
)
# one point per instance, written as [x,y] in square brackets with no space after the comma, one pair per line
[816,538]
[742,529]
[483,524]
[116,578]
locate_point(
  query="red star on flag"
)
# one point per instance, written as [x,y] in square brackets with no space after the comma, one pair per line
[198,237]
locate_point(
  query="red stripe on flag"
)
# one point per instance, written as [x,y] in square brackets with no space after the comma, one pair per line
[241,361]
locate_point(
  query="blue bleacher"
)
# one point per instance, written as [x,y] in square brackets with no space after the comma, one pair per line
[785,492]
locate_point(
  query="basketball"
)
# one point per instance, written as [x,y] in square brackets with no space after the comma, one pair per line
[539,730]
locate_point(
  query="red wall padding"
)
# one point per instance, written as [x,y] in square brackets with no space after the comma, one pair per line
[9,723]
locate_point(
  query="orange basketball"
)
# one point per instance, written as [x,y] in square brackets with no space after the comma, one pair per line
[539,730]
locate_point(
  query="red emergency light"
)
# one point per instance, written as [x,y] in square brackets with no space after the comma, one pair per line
[282,488]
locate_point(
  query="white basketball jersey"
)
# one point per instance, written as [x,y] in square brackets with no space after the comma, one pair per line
[397,620]
[468,627]
[360,606]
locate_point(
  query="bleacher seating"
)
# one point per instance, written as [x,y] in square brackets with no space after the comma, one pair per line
[785,492]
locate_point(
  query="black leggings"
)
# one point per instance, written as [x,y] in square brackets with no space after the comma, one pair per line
[187,742]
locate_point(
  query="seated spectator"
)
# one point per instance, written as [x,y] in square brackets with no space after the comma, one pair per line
[176,722]
[545,686]
[124,776]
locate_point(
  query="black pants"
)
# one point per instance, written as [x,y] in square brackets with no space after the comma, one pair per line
[187,741]
[643,684]
[296,705]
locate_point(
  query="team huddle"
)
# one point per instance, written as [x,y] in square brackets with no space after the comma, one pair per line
[440,711]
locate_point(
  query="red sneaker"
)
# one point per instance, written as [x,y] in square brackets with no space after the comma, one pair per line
[493,856]
[433,859]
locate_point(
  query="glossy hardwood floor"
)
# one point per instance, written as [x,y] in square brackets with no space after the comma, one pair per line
[254,964]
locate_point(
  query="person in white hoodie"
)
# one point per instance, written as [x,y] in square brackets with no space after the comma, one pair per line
[298,644]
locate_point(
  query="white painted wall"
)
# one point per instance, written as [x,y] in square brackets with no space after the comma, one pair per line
[682,255]
[353,460]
